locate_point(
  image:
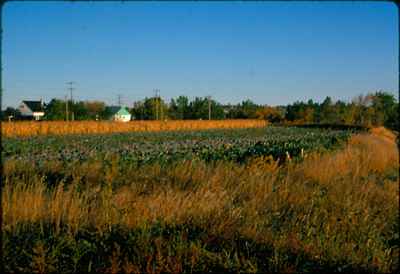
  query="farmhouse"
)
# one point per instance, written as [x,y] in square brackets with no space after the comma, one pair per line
[31,110]
[118,113]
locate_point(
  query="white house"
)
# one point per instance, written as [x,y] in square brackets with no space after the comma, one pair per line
[32,109]
[117,113]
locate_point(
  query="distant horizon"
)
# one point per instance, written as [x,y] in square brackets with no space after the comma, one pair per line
[270,53]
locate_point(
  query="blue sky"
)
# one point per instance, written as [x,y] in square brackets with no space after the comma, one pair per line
[270,52]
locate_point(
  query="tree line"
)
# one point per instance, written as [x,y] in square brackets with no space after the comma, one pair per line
[374,109]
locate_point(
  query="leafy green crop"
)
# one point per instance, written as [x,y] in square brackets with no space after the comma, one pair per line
[145,148]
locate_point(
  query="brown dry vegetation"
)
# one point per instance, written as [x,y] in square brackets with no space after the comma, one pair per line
[333,208]
[14,129]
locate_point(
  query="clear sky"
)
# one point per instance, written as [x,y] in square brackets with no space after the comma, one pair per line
[270,52]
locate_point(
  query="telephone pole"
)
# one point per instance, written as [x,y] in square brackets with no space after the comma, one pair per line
[209,107]
[66,108]
[161,107]
[119,99]
[71,88]
[157,97]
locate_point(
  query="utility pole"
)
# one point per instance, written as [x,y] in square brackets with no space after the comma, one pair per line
[157,96]
[119,99]
[161,107]
[71,83]
[209,107]
[66,107]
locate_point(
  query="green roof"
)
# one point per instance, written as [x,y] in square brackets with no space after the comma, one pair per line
[116,110]
[123,111]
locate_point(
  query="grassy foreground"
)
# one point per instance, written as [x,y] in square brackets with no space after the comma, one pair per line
[330,212]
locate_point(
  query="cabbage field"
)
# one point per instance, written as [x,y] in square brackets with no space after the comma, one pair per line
[165,147]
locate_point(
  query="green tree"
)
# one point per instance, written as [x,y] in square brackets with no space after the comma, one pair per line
[55,110]
[198,108]
[179,108]
[153,108]
[80,111]
[384,106]
[10,113]
[363,114]
[392,118]
[343,113]
[249,109]
[95,109]
[296,112]
[138,111]
[327,111]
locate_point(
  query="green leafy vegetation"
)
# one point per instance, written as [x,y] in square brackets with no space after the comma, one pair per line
[144,148]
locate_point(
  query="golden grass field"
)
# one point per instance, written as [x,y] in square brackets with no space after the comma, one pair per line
[24,128]
[340,205]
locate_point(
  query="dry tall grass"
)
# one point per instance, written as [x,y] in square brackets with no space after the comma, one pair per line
[14,129]
[332,207]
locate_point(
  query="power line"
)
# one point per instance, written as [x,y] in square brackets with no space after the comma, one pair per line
[209,107]
[66,108]
[119,99]
[161,107]
[157,97]
[71,88]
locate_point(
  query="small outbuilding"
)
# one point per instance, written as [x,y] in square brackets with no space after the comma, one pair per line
[118,113]
[31,110]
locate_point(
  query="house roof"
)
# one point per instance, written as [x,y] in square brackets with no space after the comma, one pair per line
[35,106]
[117,110]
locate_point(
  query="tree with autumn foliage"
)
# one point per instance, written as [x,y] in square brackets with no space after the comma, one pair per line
[271,114]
